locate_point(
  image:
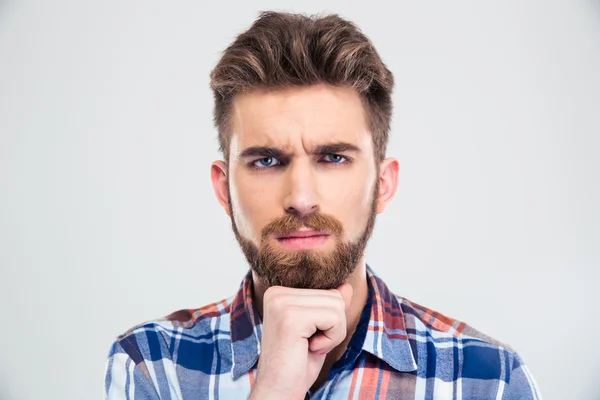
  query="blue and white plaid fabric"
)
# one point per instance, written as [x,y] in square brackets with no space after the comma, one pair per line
[400,350]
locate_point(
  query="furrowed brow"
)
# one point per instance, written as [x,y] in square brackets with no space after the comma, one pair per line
[333,148]
[262,151]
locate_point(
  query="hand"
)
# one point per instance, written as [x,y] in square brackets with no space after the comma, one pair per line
[300,326]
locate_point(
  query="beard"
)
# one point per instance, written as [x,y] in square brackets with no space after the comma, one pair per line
[306,269]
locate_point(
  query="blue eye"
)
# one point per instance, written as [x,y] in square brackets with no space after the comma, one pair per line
[335,158]
[266,162]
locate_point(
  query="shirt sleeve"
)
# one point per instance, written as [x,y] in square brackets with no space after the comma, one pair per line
[521,384]
[124,380]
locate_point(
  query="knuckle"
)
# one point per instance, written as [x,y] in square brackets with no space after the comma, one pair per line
[271,292]
[340,304]
[337,317]
[275,302]
[288,320]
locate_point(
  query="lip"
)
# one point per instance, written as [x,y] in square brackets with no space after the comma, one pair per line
[303,234]
[303,240]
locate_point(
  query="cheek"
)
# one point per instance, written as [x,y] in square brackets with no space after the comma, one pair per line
[350,203]
[251,208]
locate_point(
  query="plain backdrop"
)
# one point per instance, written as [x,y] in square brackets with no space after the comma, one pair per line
[108,218]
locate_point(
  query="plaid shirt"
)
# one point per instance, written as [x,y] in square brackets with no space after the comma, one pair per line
[400,350]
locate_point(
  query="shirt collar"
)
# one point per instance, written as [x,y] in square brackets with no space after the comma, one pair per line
[384,336]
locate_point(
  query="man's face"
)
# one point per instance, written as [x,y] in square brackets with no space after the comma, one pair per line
[302,184]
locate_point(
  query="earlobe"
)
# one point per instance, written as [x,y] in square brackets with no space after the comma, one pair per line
[218,176]
[388,183]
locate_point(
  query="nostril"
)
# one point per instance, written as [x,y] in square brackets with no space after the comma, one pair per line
[293,211]
[301,211]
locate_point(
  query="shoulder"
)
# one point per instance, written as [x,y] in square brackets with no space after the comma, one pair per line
[150,356]
[449,349]
[449,340]
[426,321]
[155,339]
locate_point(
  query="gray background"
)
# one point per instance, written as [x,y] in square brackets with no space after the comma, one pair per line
[108,219]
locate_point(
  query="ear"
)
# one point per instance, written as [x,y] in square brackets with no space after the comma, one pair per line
[218,176]
[388,182]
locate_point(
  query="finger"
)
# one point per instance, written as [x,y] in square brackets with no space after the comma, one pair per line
[346,290]
[307,321]
[274,290]
[320,344]
[282,302]
[331,332]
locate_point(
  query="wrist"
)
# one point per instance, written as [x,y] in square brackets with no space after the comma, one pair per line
[262,392]
[259,393]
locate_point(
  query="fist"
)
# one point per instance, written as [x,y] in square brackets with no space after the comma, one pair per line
[300,327]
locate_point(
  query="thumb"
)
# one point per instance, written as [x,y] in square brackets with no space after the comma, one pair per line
[346,291]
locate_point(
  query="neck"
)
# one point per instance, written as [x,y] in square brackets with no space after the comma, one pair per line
[358,281]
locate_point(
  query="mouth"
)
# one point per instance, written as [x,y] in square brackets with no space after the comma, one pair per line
[303,240]
[303,234]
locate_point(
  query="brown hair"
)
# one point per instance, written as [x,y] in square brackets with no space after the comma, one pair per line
[281,50]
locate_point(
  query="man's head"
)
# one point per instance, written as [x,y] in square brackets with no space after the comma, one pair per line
[303,108]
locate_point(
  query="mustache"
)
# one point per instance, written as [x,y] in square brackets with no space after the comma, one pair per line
[291,223]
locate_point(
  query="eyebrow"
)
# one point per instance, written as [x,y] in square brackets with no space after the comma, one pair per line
[262,151]
[333,148]
[322,149]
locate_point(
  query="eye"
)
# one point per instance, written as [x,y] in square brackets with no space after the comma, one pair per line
[265,162]
[334,159]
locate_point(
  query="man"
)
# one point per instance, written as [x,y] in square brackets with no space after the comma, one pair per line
[303,108]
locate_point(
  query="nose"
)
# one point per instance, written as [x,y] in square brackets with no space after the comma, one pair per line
[301,196]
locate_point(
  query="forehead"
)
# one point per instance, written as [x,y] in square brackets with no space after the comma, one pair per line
[298,116]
